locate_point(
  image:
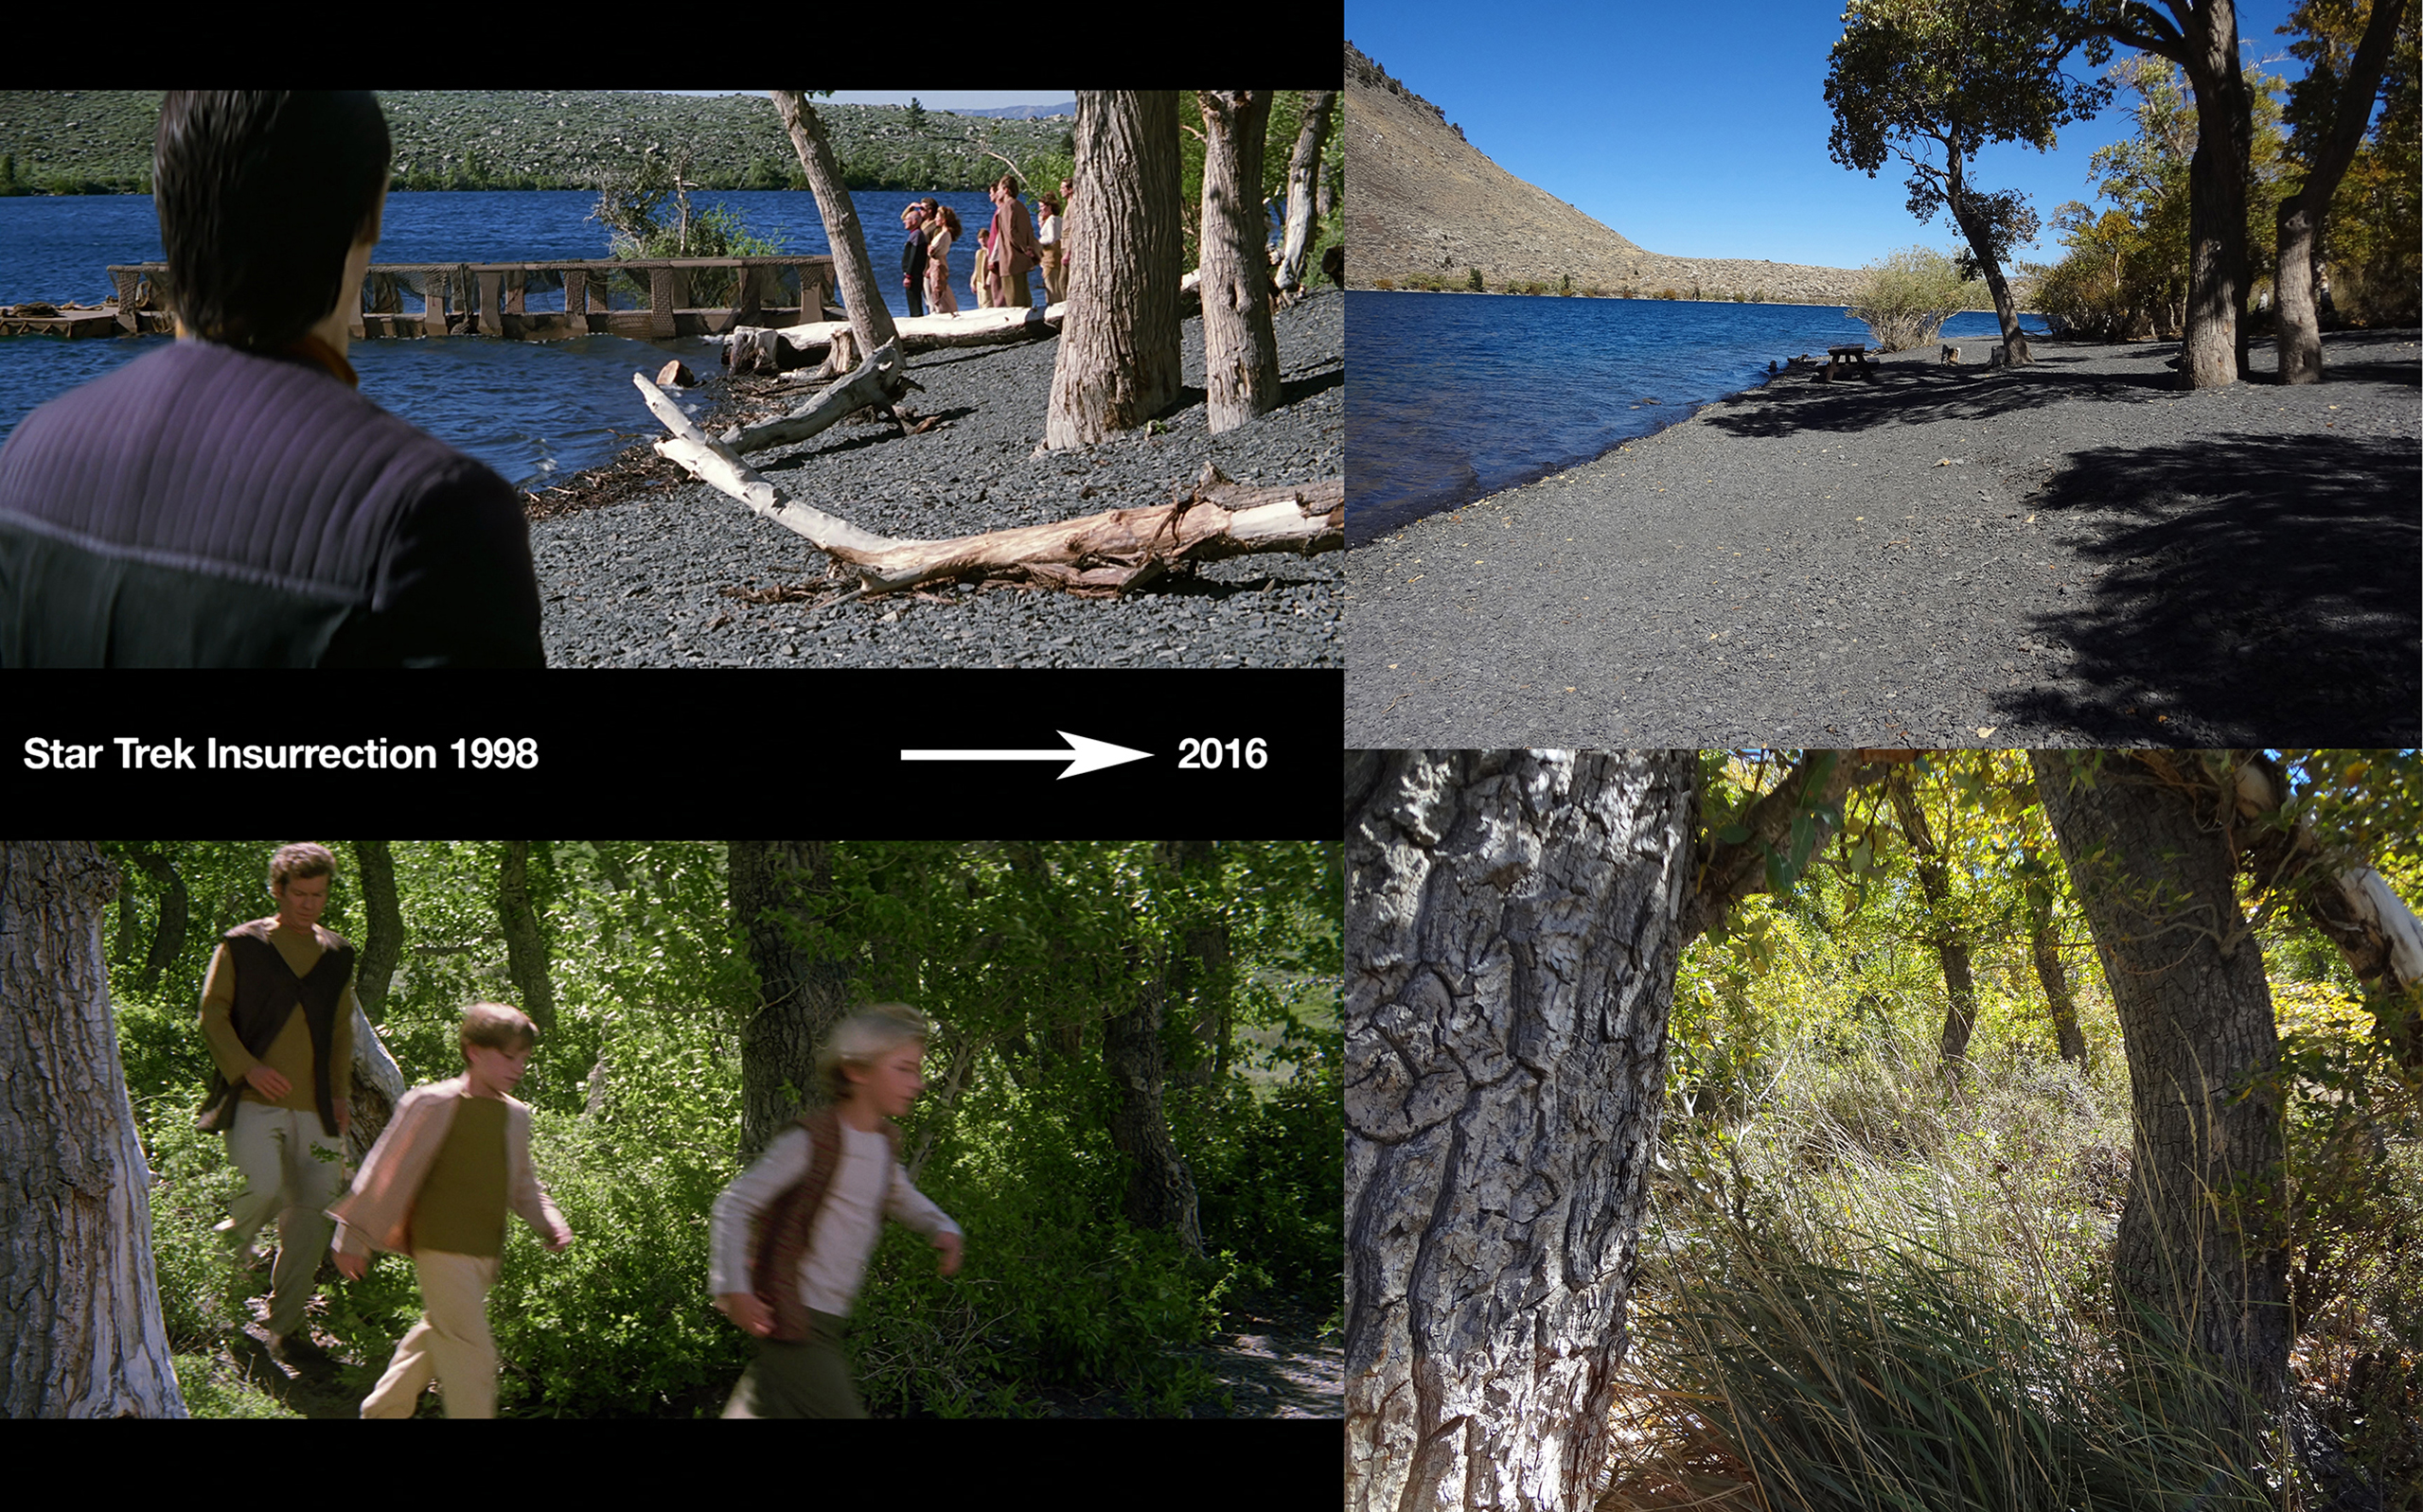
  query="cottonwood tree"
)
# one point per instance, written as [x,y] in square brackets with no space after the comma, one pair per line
[2151,842]
[1910,78]
[1240,350]
[1944,932]
[1303,199]
[79,1304]
[2331,106]
[870,317]
[2038,891]
[383,939]
[782,903]
[1513,920]
[525,942]
[2201,36]
[1118,361]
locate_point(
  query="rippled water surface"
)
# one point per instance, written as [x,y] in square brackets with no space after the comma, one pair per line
[531,410]
[1452,396]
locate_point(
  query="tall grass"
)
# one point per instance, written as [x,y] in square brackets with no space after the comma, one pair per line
[1884,1289]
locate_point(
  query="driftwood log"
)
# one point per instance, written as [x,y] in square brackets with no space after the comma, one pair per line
[1099,556]
[780,348]
[881,379]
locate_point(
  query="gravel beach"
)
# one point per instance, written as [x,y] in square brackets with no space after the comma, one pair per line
[2077,553]
[667,571]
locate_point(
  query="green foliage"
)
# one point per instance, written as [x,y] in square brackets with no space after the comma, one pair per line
[1474,280]
[1906,298]
[2372,240]
[213,1389]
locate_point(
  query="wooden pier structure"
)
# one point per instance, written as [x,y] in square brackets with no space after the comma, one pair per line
[491,299]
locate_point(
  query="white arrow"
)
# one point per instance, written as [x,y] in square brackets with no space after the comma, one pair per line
[1083,755]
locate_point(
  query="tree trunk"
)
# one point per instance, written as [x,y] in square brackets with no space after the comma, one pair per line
[2213,346]
[1960,991]
[79,1302]
[1117,363]
[1161,1188]
[2036,889]
[1512,924]
[1239,351]
[1304,171]
[781,890]
[2201,1238]
[168,940]
[2297,330]
[1981,245]
[525,942]
[382,942]
[860,295]
[1208,982]
[377,1084]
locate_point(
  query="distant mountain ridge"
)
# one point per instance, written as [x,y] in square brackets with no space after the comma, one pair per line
[1427,206]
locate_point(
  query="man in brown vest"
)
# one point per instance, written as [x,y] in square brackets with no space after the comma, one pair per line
[278,1013]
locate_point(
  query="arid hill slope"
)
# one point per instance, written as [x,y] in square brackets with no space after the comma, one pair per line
[1427,205]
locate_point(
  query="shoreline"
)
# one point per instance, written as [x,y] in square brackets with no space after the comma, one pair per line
[2073,553]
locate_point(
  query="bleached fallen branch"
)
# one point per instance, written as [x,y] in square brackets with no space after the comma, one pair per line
[1098,556]
[754,348]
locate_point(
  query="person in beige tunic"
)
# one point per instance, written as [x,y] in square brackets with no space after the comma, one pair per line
[437,1187]
[297,1013]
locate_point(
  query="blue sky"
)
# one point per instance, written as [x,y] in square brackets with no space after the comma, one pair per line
[1700,131]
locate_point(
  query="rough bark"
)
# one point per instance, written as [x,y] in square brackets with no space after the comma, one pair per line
[1303,171]
[1098,556]
[525,944]
[1951,952]
[378,1085]
[1980,236]
[2299,331]
[1118,363]
[861,296]
[1239,351]
[382,942]
[2045,947]
[2201,1238]
[781,892]
[1160,1187]
[1512,924]
[79,1304]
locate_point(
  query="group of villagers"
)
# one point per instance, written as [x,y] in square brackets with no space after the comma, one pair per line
[1016,244]
[791,1235]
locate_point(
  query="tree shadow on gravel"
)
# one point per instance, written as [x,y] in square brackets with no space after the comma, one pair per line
[1910,394]
[2253,591]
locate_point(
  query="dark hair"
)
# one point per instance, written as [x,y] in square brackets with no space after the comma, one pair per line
[261,194]
[296,862]
[951,219]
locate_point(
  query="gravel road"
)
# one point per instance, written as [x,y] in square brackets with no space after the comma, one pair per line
[654,580]
[2074,552]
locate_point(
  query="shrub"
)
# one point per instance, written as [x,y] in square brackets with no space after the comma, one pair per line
[1906,298]
[1474,282]
[1390,283]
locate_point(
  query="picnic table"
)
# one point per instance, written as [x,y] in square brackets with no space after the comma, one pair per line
[1846,360]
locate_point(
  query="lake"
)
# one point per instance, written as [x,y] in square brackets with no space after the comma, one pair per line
[1456,397]
[531,410]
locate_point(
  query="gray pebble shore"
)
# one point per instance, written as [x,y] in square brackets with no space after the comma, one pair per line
[642,583]
[2074,553]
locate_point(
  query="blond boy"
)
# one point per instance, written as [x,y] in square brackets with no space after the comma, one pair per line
[436,1186]
[792,1232]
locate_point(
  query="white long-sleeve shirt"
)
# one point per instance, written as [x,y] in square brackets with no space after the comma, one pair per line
[868,1184]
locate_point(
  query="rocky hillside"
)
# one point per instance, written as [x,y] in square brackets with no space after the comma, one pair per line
[1427,206]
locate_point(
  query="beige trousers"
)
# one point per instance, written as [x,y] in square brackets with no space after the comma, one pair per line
[450,1345]
[292,1171]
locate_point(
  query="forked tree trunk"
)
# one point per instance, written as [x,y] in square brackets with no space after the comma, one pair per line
[863,298]
[1943,926]
[2202,1238]
[1117,363]
[382,942]
[1303,170]
[1239,351]
[781,892]
[1512,924]
[79,1304]
[525,944]
[2297,329]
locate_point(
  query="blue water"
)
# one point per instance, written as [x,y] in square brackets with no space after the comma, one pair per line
[531,410]
[1459,395]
